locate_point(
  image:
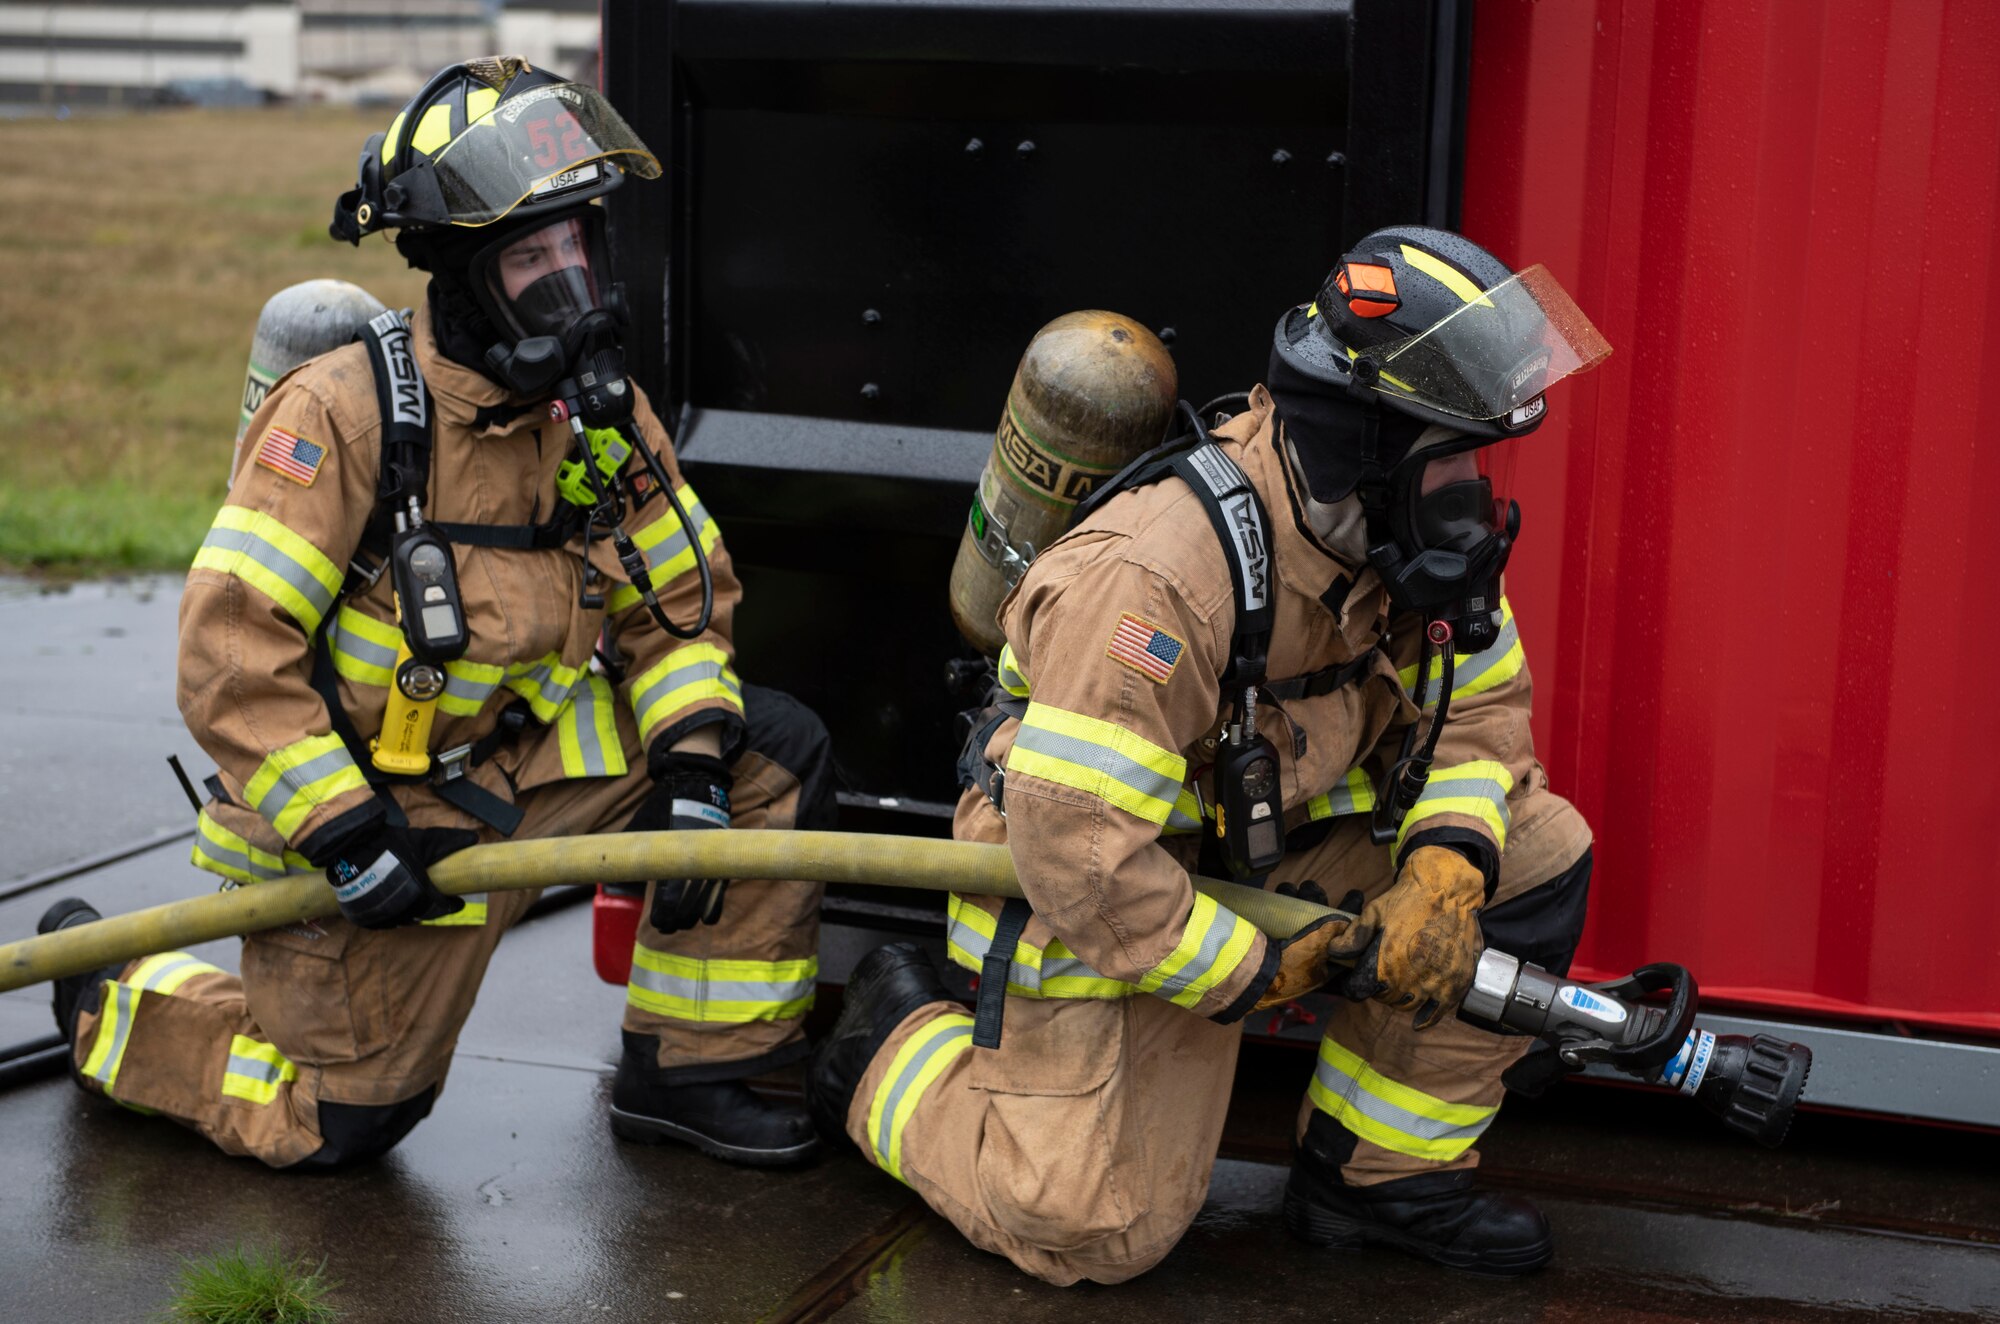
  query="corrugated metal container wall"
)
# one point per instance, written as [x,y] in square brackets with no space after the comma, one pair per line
[1758,579]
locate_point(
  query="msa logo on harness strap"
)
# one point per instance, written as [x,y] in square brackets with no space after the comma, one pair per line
[1245,518]
[402,389]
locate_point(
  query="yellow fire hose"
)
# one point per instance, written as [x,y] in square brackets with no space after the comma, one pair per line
[626,857]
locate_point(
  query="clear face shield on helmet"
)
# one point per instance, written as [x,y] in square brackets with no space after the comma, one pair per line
[1491,359]
[537,147]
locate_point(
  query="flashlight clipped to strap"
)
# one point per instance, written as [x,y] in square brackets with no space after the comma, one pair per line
[432,618]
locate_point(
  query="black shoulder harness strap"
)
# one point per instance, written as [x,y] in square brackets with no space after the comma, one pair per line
[404,403]
[1241,525]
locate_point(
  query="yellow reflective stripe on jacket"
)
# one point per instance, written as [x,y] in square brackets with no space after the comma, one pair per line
[1037,972]
[587,732]
[168,971]
[1185,816]
[665,543]
[923,1057]
[272,559]
[364,651]
[722,992]
[1390,1114]
[1475,790]
[469,916]
[1099,758]
[1475,673]
[1211,947]
[1354,795]
[299,777]
[685,677]
[114,1031]
[221,851]
[256,1071]
[545,684]
[1011,678]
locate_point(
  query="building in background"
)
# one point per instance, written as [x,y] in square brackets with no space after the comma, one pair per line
[122,53]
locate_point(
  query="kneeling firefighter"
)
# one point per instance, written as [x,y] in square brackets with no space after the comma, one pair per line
[1278,649]
[387,644]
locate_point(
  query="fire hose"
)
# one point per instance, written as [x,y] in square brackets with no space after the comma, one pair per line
[1752,1083]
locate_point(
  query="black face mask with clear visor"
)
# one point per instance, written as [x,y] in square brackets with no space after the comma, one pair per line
[547,288]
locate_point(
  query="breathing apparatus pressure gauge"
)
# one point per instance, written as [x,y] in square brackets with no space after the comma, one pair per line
[1249,808]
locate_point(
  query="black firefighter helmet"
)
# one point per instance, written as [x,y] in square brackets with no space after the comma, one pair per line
[1417,329]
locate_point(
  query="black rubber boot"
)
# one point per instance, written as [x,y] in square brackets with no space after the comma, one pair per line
[889,984]
[724,1119]
[1437,1216]
[75,994]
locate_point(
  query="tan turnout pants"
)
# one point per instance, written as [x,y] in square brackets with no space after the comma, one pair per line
[328,1012]
[1082,1146]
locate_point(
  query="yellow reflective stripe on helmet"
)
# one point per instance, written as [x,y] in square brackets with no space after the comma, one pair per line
[1475,790]
[256,1071]
[1098,758]
[1036,972]
[923,1057]
[114,1031]
[433,130]
[1011,678]
[1390,1114]
[393,136]
[545,684]
[720,992]
[167,971]
[295,780]
[1446,275]
[696,673]
[668,554]
[479,103]
[1212,945]
[1475,673]
[270,558]
[587,732]
[1354,795]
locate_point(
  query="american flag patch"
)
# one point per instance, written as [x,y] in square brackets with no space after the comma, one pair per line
[294,457]
[1145,648]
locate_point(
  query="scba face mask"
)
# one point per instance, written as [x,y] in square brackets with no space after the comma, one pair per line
[548,291]
[1441,530]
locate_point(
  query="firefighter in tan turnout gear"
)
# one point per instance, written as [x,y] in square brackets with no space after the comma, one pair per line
[412,540]
[1071,1122]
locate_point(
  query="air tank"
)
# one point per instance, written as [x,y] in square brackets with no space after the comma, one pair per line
[299,322]
[1093,391]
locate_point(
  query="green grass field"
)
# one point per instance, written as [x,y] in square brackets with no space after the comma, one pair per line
[135,254]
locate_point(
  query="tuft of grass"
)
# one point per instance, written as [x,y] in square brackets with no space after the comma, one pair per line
[252,1286]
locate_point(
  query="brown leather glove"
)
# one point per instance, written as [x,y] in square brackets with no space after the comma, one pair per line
[1303,963]
[1418,944]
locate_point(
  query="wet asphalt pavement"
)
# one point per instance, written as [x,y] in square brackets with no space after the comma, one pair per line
[514,1202]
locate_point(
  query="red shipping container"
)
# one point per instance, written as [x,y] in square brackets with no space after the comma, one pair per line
[1758,540]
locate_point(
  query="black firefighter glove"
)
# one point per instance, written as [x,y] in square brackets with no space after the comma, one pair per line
[691,792]
[379,873]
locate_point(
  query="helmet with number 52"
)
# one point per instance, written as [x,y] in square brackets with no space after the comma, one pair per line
[489,176]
